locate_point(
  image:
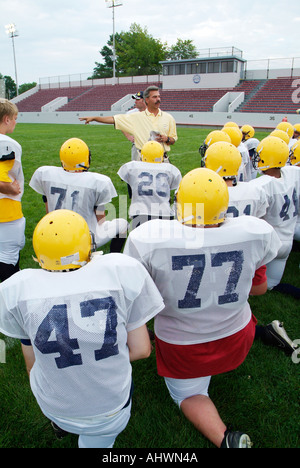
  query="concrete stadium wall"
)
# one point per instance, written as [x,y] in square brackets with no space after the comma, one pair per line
[210,119]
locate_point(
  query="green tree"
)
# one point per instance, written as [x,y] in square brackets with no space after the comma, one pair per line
[137,53]
[26,86]
[10,87]
[182,50]
[105,70]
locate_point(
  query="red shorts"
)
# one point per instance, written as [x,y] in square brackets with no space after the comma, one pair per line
[260,276]
[204,359]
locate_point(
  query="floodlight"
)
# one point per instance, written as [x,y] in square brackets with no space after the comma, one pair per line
[112,4]
[12,32]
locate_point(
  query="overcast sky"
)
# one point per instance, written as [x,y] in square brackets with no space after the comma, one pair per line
[62,37]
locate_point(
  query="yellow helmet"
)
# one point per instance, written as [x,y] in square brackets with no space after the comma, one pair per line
[235,134]
[152,152]
[271,152]
[62,241]
[75,155]
[286,127]
[202,198]
[231,124]
[248,132]
[281,134]
[223,158]
[213,137]
[295,154]
[296,129]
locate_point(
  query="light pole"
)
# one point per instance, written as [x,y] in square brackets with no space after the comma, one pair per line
[12,32]
[113,4]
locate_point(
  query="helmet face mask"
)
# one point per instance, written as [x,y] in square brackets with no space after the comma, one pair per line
[152,152]
[248,132]
[202,198]
[75,155]
[213,137]
[272,152]
[62,241]
[295,154]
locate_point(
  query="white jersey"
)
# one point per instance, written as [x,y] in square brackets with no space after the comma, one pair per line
[151,185]
[78,323]
[292,142]
[246,198]
[251,145]
[244,174]
[204,275]
[82,192]
[283,195]
[12,150]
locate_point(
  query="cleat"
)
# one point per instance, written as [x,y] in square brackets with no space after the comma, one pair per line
[236,440]
[277,336]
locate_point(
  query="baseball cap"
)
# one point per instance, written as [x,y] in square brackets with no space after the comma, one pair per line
[138,95]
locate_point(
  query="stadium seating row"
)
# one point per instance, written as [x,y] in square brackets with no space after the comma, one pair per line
[273,96]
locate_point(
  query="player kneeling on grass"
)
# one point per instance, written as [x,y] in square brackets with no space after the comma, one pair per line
[150,182]
[86,321]
[247,199]
[72,187]
[281,183]
[203,266]
[295,161]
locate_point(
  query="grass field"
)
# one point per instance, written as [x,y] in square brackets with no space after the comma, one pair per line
[261,397]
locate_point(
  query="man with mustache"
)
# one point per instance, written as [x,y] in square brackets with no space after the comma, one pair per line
[151,124]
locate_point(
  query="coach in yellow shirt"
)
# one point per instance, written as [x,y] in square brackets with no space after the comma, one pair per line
[151,124]
[12,221]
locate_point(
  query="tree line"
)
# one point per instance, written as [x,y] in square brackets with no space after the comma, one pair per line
[137,54]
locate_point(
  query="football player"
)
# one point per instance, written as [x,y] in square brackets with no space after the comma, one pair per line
[248,132]
[203,266]
[247,199]
[150,182]
[12,220]
[251,145]
[296,135]
[295,161]
[282,186]
[86,319]
[236,137]
[72,187]
[213,137]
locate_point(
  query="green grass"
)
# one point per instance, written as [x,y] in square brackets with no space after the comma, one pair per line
[260,397]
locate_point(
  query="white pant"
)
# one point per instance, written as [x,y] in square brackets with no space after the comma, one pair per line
[180,389]
[96,432]
[275,270]
[106,231]
[12,240]
[276,267]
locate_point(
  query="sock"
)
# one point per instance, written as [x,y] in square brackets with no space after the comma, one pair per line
[288,289]
[117,244]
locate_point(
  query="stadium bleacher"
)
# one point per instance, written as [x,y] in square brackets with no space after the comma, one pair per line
[270,96]
[274,97]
